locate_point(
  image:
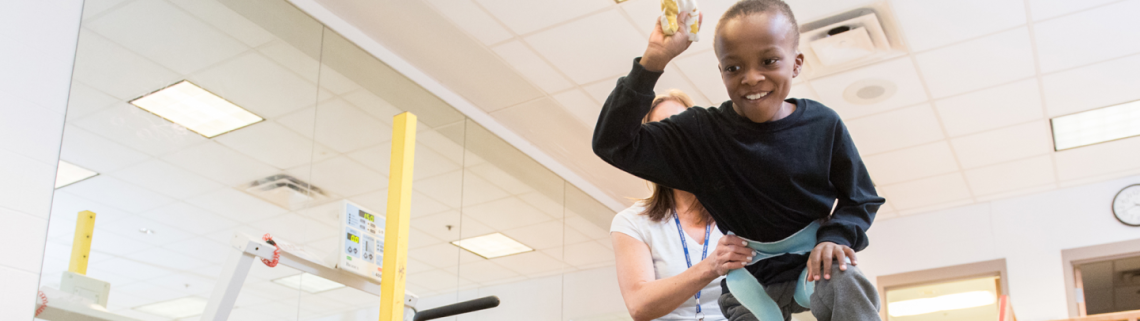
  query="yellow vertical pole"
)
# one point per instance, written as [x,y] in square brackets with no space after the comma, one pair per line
[81,245]
[396,220]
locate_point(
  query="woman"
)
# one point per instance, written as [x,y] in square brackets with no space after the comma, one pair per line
[665,273]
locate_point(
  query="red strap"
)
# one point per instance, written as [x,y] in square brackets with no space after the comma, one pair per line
[43,305]
[276,252]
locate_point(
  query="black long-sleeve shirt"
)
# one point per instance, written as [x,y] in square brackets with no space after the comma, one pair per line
[762,181]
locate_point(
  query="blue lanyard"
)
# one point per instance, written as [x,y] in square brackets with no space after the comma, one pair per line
[685,245]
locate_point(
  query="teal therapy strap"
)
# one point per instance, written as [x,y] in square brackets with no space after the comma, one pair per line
[751,294]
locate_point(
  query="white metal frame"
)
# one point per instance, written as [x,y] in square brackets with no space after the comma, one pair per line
[249,250]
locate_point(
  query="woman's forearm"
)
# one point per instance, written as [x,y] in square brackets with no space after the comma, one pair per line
[654,299]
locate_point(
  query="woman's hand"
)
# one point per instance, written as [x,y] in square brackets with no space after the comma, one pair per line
[731,253]
[664,48]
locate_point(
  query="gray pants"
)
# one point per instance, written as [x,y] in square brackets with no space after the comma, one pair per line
[848,295]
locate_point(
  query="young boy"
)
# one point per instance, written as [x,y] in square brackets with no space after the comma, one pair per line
[767,168]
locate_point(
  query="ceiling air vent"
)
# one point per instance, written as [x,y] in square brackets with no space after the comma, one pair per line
[849,40]
[287,191]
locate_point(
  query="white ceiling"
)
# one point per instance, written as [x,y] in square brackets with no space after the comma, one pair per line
[968,123]
[331,129]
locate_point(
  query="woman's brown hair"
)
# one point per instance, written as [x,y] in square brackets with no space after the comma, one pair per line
[661,203]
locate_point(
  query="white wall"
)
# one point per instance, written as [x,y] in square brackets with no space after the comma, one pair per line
[36,58]
[1028,231]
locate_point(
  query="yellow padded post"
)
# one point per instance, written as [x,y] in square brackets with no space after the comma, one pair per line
[396,220]
[81,245]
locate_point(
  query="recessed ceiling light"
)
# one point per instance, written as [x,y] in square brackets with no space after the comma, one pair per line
[177,308]
[69,173]
[492,245]
[869,91]
[308,283]
[947,302]
[1096,126]
[198,110]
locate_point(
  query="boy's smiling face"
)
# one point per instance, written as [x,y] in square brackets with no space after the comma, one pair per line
[758,59]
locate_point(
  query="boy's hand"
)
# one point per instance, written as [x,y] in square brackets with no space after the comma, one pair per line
[822,255]
[664,48]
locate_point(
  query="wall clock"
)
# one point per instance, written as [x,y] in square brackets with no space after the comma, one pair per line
[1126,205]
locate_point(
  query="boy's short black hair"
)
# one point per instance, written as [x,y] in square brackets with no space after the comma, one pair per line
[747,7]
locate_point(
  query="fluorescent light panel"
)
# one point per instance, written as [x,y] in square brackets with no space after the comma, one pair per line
[68,173]
[1096,126]
[308,283]
[177,308]
[964,300]
[201,111]
[492,245]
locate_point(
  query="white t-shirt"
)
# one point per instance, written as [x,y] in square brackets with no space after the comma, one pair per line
[669,257]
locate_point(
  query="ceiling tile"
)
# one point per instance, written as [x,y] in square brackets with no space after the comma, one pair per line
[911,163]
[674,79]
[928,191]
[202,249]
[232,23]
[166,259]
[1002,145]
[132,228]
[446,188]
[167,35]
[497,176]
[1087,37]
[220,163]
[803,91]
[339,125]
[525,16]
[164,178]
[579,104]
[587,253]
[343,176]
[139,270]
[436,226]
[544,203]
[932,24]
[379,108]
[485,272]
[418,239]
[193,219]
[255,83]
[273,144]
[65,208]
[600,90]
[572,47]
[235,205]
[1099,85]
[590,230]
[991,108]
[900,72]
[95,7]
[546,235]
[1045,9]
[1100,159]
[507,213]
[1010,176]
[131,126]
[117,71]
[530,65]
[472,19]
[477,190]
[436,280]
[117,193]
[439,255]
[85,100]
[702,69]
[294,228]
[530,263]
[896,129]
[979,63]
[106,246]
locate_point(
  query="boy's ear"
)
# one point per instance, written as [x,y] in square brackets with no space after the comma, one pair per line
[799,64]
